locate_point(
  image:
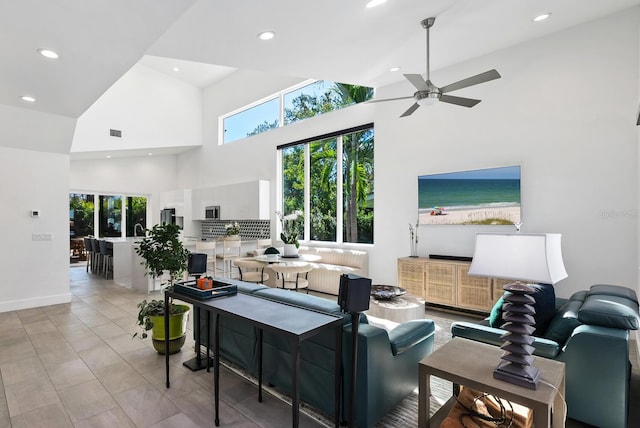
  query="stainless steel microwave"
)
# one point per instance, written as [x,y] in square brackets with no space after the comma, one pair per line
[212,212]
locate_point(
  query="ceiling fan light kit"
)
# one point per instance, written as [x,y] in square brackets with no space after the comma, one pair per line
[427,93]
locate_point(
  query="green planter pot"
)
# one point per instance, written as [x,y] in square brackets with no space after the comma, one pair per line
[177,331]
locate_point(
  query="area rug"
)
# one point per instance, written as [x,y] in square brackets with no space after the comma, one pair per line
[405,414]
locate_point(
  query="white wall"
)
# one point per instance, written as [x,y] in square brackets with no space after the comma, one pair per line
[28,129]
[151,109]
[564,110]
[34,273]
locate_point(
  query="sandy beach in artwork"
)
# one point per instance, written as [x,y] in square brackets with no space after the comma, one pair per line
[471,216]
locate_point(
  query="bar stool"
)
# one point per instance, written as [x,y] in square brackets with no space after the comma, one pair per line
[230,250]
[208,248]
[251,270]
[292,275]
[88,248]
[106,252]
[96,264]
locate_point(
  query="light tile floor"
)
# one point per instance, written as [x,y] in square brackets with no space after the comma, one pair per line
[76,365]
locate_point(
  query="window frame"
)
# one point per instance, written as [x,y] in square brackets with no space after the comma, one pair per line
[307,178]
[277,95]
[280,95]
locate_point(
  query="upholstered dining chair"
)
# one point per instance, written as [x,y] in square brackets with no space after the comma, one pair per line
[230,250]
[251,270]
[292,275]
[208,248]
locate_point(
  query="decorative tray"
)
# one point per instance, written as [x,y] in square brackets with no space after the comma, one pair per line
[386,292]
[297,256]
[189,288]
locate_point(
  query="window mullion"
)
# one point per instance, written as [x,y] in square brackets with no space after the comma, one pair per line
[281,112]
[307,192]
[339,194]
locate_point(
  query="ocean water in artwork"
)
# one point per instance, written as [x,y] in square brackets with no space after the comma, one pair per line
[493,191]
[468,194]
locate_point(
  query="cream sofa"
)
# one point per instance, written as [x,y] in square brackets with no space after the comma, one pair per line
[325,276]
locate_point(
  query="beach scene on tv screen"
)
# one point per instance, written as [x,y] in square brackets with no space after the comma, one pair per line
[482,196]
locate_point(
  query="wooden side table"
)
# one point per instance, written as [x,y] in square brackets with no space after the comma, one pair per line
[469,363]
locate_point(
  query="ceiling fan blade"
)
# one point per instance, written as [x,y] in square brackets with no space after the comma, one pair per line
[410,110]
[390,99]
[470,81]
[464,102]
[417,81]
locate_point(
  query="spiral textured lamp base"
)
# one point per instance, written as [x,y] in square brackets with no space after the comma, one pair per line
[516,365]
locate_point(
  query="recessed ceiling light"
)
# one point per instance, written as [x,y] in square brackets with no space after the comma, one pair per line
[27,98]
[176,69]
[394,69]
[374,3]
[108,156]
[541,17]
[149,154]
[48,53]
[266,35]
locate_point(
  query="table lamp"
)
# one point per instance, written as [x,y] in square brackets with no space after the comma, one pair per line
[535,258]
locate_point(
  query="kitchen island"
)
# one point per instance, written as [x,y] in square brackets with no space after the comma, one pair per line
[123,260]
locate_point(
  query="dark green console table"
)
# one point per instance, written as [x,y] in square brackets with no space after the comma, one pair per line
[296,323]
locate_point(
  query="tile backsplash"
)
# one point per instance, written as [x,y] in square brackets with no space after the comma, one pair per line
[249,229]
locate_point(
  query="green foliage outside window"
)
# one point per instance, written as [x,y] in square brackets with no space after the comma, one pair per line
[81,208]
[357,170]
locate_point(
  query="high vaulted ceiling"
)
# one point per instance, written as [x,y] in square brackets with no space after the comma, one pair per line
[99,40]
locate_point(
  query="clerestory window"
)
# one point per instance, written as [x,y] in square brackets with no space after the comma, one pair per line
[291,105]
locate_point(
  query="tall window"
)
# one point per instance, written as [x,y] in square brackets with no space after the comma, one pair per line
[330,179]
[136,215]
[357,186]
[291,105]
[81,210]
[108,214]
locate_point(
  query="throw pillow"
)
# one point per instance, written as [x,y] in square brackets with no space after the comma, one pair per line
[545,307]
[495,317]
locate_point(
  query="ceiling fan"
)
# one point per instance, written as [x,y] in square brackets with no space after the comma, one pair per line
[428,93]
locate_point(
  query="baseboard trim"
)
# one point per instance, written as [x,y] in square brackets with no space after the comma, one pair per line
[16,305]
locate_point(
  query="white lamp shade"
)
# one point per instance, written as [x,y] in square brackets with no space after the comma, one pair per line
[531,257]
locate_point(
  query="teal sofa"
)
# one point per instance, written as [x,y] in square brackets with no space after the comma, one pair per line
[589,332]
[387,365]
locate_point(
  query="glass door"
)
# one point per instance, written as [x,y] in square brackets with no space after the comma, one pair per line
[110,215]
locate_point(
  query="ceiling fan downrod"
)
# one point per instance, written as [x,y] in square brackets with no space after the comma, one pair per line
[426,24]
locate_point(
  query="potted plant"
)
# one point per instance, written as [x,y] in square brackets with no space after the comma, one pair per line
[291,227]
[233,230]
[163,254]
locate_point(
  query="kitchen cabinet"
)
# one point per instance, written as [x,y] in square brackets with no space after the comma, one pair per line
[178,199]
[240,201]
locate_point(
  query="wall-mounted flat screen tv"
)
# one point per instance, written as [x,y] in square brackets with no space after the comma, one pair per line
[482,196]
